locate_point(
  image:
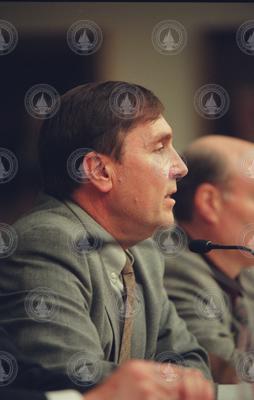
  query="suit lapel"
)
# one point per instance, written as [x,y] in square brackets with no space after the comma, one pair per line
[151,290]
[105,253]
[111,310]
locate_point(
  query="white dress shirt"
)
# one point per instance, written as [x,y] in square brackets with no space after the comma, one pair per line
[64,395]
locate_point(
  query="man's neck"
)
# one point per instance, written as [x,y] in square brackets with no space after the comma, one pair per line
[98,210]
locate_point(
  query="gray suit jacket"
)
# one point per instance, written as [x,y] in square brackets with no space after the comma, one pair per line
[57,303]
[202,298]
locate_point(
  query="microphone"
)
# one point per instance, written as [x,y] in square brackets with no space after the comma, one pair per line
[204,246]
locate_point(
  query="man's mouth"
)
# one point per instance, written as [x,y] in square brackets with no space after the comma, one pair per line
[168,195]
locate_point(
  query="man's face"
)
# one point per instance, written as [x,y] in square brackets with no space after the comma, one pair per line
[145,178]
[237,222]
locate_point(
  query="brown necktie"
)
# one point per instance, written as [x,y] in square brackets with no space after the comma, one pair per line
[129,284]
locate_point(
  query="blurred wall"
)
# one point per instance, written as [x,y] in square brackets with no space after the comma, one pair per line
[127,52]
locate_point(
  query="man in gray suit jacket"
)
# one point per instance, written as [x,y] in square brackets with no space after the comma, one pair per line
[109,170]
[58,386]
[214,292]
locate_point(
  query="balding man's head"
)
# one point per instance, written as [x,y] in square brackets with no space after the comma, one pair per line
[229,149]
[216,199]
[214,159]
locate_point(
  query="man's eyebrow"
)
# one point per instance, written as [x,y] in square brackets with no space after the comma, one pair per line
[161,136]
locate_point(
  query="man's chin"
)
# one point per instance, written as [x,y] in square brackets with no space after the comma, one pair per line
[168,219]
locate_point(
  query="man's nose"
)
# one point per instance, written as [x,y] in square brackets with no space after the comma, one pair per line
[184,169]
[179,169]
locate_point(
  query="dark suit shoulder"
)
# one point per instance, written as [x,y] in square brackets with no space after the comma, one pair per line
[188,276]
[188,266]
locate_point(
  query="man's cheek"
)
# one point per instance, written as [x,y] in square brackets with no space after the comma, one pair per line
[162,167]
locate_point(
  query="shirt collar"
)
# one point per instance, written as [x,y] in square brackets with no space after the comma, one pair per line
[231,286]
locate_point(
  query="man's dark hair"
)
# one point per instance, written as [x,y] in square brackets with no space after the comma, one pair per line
[86,119]
[203,167]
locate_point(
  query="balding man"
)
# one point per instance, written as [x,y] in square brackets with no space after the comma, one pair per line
[216,202]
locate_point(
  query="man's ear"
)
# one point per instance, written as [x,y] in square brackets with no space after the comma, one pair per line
[99,170]
[208,203]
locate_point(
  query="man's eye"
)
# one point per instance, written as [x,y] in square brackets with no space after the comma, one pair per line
[159,149]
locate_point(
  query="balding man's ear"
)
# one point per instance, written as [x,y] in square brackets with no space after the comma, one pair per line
[98,170]
[207,203]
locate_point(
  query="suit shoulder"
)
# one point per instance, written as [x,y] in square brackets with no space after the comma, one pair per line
[189,270]
[187,264]
[52,214]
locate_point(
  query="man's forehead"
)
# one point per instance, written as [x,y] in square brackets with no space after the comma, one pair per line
[153,131]
[161,136]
